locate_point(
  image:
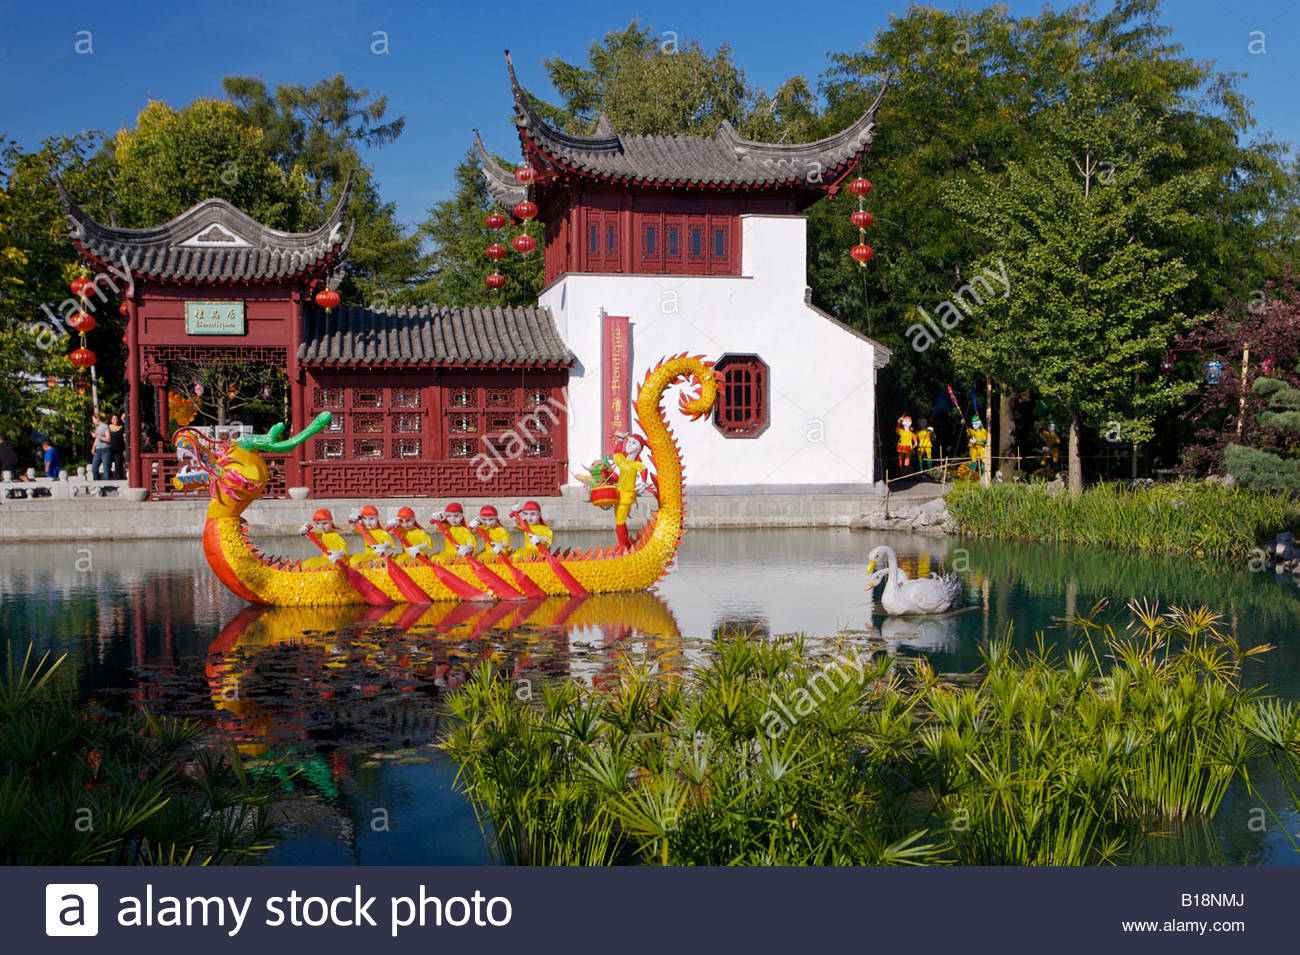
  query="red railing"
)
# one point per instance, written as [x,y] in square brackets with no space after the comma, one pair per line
[159,469]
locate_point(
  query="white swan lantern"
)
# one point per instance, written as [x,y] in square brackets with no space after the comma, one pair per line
[903,595]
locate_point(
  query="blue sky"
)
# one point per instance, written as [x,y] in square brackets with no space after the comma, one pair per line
[444,68]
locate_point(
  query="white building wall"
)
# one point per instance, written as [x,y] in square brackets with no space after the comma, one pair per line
[821,376]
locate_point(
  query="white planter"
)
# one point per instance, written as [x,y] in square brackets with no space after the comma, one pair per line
[299,493]
[134,493]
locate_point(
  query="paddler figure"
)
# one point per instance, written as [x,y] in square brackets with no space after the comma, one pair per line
[459,540]
[528,518]
[496,538]
[416,537]
[379,543]
[326,533]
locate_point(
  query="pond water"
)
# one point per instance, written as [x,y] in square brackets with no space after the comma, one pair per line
[350,697]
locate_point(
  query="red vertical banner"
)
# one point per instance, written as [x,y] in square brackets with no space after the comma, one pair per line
[616,385]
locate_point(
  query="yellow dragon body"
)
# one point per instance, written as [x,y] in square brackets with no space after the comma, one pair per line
[235,474]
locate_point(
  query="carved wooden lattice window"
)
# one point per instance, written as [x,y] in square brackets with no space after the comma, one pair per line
[511,423]
[741,409]
[370,423]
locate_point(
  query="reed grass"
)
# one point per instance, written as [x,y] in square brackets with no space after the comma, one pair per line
[1035,759]
[83,787]
[1198,519]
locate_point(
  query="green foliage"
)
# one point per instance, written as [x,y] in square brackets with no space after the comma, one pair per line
[317,133]
[1202,520]
[174,159]
[765,756]
[1278,468]
[458,233]
[80,787]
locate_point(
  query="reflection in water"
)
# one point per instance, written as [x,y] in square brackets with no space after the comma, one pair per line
[349,696]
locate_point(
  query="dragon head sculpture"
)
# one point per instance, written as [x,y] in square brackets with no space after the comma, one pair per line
[233,471]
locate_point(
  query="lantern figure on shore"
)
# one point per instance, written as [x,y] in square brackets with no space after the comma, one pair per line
[82,357]
[328,299]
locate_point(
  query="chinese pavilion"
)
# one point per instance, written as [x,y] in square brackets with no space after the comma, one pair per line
[425,400]
[654,245]
[661,244]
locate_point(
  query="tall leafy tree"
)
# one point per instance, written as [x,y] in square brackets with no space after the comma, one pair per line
[318,132]
[174,159]
[1094,291]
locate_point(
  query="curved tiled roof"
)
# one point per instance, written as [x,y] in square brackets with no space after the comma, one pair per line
[725,160]
[212,242]
[434,335]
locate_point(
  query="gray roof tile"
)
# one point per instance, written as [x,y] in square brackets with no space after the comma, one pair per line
[433,335]
[212,242]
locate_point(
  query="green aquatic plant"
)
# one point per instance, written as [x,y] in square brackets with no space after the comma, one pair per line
[766,755]
[81,786]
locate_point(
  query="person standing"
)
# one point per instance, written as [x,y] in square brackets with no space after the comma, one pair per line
[117,449]
[53,460]
[99,452]
[8,456]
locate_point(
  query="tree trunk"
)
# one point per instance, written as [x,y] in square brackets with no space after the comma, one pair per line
[1007,430]
[1072,460]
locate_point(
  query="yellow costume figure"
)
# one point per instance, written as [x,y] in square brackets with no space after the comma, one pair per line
[495,537]
[455,534]
[321,526]
[366,525]
[406,528]
[1051,446]
[978,438]
[629,475]
[528,518]
[906,442]
[925,447]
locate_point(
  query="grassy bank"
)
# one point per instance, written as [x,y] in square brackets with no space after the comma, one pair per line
[82,787]
[1203,520]
[765,756]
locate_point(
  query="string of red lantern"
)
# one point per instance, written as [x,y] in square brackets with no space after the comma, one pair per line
[861,218]
[82,321]
[525,211]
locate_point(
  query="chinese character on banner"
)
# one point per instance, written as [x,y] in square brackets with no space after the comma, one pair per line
[616,373]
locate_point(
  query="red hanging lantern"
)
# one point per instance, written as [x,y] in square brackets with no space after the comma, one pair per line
[496,220]
[1266,367]
[81,286]
[861,219]
[859,186]
[496,251]
[526,175]
[328,299]
[82,357]
[862,253]
[124,310]
[524,244]
[525,210]
[1167,363]
[496,280]
[82,322]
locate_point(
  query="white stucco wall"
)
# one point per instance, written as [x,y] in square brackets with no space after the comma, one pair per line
[822,376]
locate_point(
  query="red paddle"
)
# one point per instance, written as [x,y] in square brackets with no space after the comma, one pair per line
[461,588]
[407,587]
[368,591]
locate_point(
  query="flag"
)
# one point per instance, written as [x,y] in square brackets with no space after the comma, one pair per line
[974,402]
[944,403]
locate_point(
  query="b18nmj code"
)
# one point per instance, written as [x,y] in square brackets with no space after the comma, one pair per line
[1210,900]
